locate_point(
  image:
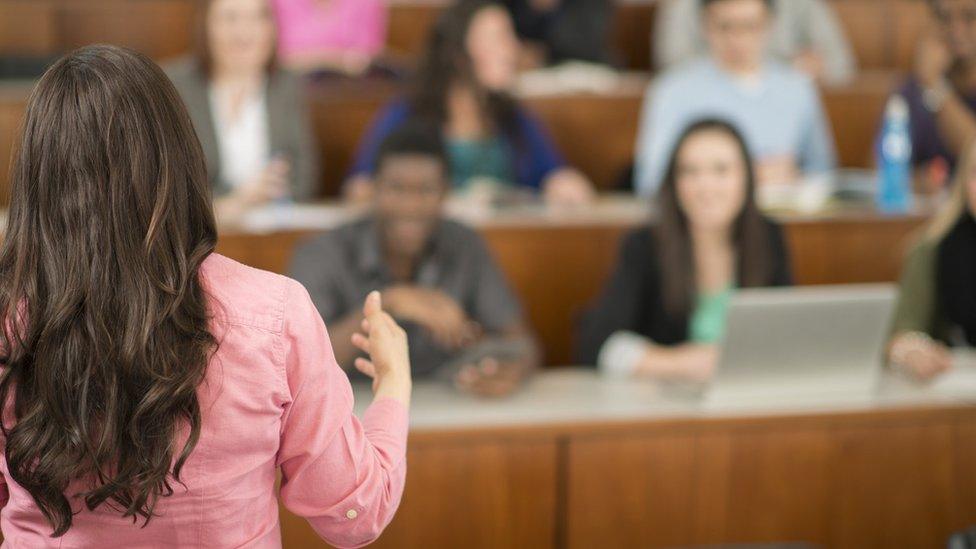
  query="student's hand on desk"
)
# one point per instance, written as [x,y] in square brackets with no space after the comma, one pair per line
[270,184]
[490,378]
[568,187]
[688,363]
[386,344]
[919,356]
[775,170]
[436,311]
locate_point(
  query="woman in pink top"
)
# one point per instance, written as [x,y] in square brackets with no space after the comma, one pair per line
[154,388]
[339,35]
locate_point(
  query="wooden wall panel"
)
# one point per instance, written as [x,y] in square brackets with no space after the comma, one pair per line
[11,117]
[909,19]
[27,27]
[477,494]
[161,29]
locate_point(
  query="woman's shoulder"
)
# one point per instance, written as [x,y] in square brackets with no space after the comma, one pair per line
[247,296]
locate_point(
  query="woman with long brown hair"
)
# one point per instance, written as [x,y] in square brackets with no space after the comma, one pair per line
[152,388]
[663,309]
[464,87]
[937,302]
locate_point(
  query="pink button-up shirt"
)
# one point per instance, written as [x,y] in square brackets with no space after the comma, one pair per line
[274,397]
[330,26]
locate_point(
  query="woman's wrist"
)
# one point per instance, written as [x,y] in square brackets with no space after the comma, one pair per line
[395,386]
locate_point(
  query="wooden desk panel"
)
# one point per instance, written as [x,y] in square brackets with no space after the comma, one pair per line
[482,493]
[878,472]
[856,483]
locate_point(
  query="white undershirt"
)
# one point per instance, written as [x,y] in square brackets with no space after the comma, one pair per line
[243,141]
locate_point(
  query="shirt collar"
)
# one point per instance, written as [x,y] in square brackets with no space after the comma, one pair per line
[371,255]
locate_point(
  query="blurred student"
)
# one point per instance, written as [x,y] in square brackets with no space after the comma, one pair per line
[941,92]
[937,303]
[776,107]
[152,387]
[464,88]
[804,33]
[342,36]
[554,31]
[437,277]
[251,116]
[663,309]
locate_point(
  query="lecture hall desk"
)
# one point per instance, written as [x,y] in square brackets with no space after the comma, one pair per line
[581,462]
[557,262]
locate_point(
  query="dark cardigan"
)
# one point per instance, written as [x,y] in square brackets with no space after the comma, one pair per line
[633,298]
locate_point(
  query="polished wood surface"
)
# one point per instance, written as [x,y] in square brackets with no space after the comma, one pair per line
[602,463]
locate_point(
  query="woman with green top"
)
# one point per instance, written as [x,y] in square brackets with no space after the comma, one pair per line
[937,303]
[663,309]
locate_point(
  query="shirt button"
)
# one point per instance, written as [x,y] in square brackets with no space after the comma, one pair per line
[351,514]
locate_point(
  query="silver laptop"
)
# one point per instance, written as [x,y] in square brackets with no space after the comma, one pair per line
[798,344]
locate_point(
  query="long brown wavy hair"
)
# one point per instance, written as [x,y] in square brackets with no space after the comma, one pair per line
[446,62]
[106,323]
[750,230]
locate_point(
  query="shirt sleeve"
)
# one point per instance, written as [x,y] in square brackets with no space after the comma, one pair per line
[495,306]
[541,157]
[917,309]
[305,167]
[828,39]
[344,476]
[314,265]
[657,132]
[817,153]
[618,309]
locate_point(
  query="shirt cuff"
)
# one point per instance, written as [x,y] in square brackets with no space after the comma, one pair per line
[622,353]
[386,423]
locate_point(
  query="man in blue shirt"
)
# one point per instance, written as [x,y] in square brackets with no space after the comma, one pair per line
[776,107]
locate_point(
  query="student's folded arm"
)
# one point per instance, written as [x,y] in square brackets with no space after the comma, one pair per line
[344,476]
[916,310]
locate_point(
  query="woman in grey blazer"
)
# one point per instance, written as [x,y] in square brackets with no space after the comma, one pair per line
[251,116]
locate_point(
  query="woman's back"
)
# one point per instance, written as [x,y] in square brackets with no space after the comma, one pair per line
[256,417]
[152,387]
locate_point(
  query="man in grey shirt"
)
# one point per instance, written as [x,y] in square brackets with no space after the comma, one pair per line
[805,33]
[437,276]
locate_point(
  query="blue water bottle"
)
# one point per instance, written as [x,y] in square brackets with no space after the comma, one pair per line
[895,159]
